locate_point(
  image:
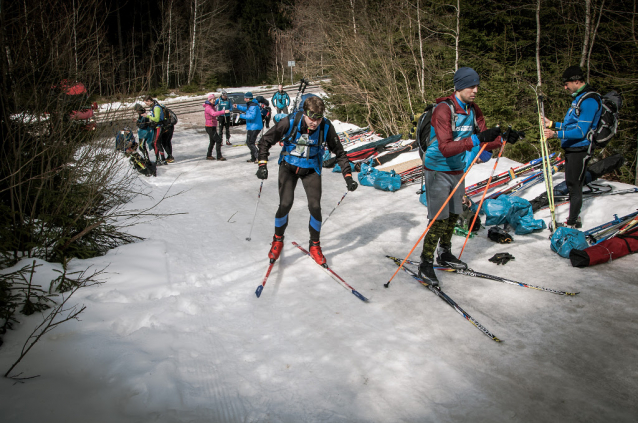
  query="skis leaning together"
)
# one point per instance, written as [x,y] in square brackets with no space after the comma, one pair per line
[325,268]
[442,295]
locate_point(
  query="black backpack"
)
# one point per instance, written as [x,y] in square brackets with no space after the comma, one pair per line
[170,118]
[423,127]
[607,127]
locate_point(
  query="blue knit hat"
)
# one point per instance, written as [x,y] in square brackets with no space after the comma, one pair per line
[248,95]
[465,78]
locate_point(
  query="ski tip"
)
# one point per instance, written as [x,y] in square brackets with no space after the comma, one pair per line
[572,294]
[496,339]
[359,296]
[258,291]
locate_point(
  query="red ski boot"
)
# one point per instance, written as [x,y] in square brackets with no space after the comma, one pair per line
[276,247]
[316,254]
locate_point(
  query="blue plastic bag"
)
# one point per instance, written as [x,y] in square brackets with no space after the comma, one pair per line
[367,174]
[515,211]
[387,181]
[566,239]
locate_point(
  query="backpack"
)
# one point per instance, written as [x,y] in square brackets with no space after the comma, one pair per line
[423,128]
[170,118]
[607,127]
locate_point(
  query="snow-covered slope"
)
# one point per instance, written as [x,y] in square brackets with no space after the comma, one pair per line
[176,334]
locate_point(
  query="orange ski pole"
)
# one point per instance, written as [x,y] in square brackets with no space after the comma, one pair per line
[437,215]
[489,181]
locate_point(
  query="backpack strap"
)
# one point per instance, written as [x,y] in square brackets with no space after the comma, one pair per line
[589,94]
[292,131]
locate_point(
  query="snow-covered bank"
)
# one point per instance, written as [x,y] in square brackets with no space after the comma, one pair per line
[176,334]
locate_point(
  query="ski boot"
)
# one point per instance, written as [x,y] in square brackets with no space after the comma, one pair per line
[170,159]
[447,259]
[574,224]
[316,254]
[276,247]
[426,272]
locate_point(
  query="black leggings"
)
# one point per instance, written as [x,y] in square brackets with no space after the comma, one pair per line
[288,177]
[224,122]
[213,140]
[575,165]
[251,138]
[167,139]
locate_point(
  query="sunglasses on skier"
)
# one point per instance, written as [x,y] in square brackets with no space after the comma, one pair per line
[313,116]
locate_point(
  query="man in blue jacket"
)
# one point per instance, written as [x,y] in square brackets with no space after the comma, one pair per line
[254,124]
[224,103]
[572,133]
[281,100]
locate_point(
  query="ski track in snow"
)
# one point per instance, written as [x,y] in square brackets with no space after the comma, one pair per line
[176,334]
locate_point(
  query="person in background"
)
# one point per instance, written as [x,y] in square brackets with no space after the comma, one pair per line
[254,124]
[224,103]
[158,122]
[281,100]
[215,139]
[144,131]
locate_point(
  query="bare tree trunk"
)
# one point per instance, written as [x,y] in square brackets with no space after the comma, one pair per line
[583,55]
[168,57]
[538,41]
[593,38]
[458,32]
[119,37]
[99,66]
[75,39]
[418,20]
[354,24]
[191,63]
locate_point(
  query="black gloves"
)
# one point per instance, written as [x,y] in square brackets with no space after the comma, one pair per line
[499,235]
[489,135]
[262,171]
[352,185]
[502,258]
[514,136]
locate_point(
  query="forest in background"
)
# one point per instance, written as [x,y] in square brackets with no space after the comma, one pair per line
[385,61]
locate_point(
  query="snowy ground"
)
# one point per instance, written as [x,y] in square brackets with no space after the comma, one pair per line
[176,333]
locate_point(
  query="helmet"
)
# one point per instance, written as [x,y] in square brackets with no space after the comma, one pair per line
[224,92]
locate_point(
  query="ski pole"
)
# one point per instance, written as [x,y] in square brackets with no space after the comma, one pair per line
[258,198]
[549,184]
[437,214]
[333,210]
[487,186]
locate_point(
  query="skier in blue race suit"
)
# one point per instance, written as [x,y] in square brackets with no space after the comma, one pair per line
[254,123]
[572,133]
[281,100]
[224,103]
[305,135]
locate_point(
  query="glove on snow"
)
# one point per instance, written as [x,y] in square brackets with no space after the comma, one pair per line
[499,235]
[502,258]
[262,171]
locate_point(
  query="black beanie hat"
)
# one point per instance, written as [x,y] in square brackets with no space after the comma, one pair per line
[573,73]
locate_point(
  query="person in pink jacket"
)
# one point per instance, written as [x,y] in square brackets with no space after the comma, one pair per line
[211,128]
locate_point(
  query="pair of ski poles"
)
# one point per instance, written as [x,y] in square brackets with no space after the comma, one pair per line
[257,206]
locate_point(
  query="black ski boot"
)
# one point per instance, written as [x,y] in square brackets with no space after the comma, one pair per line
[447,259]
[426,272]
